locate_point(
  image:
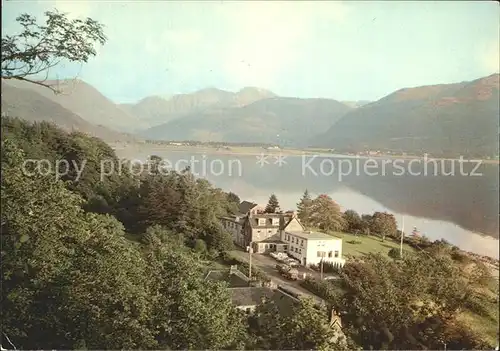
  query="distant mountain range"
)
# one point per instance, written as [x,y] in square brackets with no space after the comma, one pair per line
[23,101]
[447,119]
[155,110]
[279,120]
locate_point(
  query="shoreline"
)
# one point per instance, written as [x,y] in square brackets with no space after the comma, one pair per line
[256,151]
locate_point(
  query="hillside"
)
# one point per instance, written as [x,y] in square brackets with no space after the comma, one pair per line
[356,104]
[448,120]
[155,110]
[287,121]
[87,102]
[29,105]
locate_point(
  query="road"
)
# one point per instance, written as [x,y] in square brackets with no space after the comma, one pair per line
[268,265]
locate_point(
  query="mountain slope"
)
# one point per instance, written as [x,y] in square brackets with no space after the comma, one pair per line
[448,119]
[29,105]
[87,102]
[287,121]
[155,110]
[356,104]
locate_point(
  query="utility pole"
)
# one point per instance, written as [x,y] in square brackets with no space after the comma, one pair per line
[402,235]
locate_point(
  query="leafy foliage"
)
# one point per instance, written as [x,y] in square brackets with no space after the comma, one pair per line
[304,327]
[353,222]
[413,303]
[39,47]
[326,214]
[383,224]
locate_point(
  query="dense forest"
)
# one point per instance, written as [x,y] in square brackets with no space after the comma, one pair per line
[115,263]
[111,264]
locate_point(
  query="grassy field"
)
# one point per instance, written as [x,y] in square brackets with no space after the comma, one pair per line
[486,326]
[368,244]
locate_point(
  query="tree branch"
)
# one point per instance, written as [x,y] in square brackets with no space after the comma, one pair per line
[55,90]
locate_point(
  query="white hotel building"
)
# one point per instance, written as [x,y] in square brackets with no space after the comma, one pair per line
[311,247]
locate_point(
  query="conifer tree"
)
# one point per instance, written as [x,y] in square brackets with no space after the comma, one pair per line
[272,204]
[304,208]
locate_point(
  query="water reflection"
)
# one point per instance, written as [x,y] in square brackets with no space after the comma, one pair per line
[455,207]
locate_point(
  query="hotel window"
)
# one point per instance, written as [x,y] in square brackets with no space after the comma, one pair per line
[302,243]
[318,254]
[300,251]
[293,240]
[336,254]
[330,254]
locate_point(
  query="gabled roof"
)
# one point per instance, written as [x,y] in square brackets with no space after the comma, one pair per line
[254,296]
[286,222]
[234,278]
[246,206]
[250,296]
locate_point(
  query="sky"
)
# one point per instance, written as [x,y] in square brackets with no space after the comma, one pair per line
[340,50]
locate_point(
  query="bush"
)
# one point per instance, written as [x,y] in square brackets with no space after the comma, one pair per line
[394,253]
[461,257]
[321,288]
[354,242]
[328,267]
[200,246]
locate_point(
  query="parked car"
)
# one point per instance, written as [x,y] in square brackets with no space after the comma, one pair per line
[287,271]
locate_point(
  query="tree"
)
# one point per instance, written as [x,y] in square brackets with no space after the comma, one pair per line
[233,203]
[409,304]
[304,208]
[190,313]
[353,221]
[383,224]
[300,326]
[394,253]
[68,277]
[232,197]
[272,205]
[366,221]
[326,214]
[39,47]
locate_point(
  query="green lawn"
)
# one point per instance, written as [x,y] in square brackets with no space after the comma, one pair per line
[368,244]
[484,325]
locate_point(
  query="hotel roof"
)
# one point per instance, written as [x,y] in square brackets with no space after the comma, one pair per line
[310,235]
